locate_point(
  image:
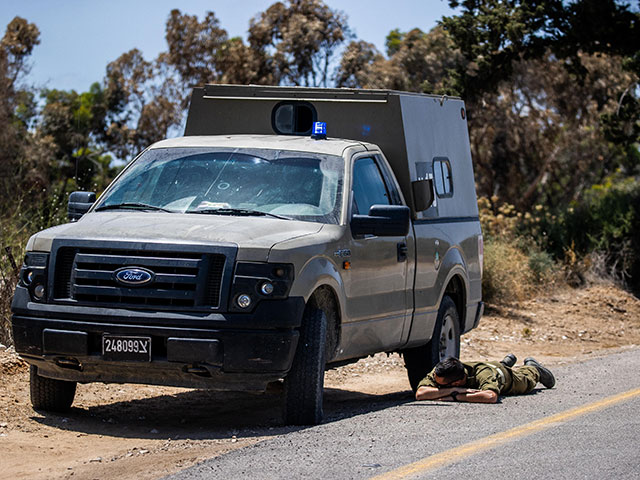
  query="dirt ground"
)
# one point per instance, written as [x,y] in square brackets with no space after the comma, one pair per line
[144,432]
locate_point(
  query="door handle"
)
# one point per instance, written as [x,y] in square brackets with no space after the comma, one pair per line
[402,252]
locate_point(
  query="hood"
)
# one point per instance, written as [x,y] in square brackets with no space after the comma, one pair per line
[245,232]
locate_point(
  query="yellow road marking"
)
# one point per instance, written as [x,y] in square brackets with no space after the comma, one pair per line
[492,441]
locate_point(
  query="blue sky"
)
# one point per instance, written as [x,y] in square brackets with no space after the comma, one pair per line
[78,38]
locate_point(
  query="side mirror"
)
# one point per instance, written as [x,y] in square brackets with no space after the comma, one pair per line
[79,204]
[422,194]
[383,221]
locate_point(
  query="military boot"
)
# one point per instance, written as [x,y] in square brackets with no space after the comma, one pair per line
[509,361]
[546,377]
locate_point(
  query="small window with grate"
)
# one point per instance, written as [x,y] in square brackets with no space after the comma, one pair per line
[442,177]
[293,118]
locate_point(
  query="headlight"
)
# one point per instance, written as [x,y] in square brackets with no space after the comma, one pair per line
[266,288]
[27,276]
[39,292]
[33,275]
[255,282]
[243,300]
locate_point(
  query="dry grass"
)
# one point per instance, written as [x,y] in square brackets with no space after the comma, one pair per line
[507,277]
[8,281]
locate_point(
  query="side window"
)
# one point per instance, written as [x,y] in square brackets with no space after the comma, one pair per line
[368,186]
[442,177]
[388,180]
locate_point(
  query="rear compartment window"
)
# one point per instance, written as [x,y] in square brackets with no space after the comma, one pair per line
[442,177]
[293,118]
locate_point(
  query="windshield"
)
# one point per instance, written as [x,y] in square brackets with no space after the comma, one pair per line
[288,184]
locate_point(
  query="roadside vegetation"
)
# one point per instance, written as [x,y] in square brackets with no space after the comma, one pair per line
[553,105]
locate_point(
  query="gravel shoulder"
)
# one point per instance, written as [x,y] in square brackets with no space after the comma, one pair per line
[145,432]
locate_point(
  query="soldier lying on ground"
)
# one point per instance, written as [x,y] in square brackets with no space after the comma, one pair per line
[482,382]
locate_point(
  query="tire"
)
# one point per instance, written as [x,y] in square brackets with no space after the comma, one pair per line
[50,395]
[445,342]
[304,385]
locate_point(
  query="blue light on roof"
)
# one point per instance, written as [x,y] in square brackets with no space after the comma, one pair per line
[319,130]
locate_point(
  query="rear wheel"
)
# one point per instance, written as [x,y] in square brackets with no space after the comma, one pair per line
[304,385]
[419,361]
[50,395]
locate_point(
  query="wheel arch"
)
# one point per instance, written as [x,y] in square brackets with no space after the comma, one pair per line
[325,298]
[456,290]
[320,280]
[454,282]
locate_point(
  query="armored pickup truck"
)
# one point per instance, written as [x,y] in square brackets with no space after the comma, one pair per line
[290,230]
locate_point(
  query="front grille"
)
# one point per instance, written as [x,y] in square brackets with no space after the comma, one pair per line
[214,279]
[183,279]
[63,269]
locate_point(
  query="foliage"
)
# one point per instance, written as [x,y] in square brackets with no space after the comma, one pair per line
[514,264]
[498,220]
[595,239]
[16,105]
[539,138]
[16,226]
[493,35]
[551,89]
[299,38]
[142,102]
[606,220]
[506,277]
[8,282]
[418,62]
[547,118]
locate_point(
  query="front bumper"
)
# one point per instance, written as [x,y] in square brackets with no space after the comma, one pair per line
[229,351]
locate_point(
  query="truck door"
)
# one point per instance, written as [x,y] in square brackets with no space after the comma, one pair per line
[379,266]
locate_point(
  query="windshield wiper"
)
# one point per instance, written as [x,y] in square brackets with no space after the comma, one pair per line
[239,212]
[132,205]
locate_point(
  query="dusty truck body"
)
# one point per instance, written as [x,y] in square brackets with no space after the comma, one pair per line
[251,250]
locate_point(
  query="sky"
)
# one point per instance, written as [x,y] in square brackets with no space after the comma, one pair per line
[78,38]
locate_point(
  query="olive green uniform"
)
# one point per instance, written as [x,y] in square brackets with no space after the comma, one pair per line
[494,376]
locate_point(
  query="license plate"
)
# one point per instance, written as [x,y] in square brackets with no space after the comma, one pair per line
[120,347]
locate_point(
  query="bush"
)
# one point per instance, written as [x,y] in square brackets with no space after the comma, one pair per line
[17,223]
[10,261]
[8,281]
[515,267]
[607,221]
[506,274]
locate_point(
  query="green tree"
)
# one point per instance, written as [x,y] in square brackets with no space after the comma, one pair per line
[493,35]
[193,47]
[73,122]
[363,66]
[142,103]
[201,52]
[418,62]
[298,39]
[17,107]
[537,139]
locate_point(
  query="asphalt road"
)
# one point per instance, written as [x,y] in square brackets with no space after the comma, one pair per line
[586,427]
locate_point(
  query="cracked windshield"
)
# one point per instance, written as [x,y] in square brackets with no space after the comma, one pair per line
[284,184]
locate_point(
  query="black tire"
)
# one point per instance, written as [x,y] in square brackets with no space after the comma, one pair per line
[50,395]
[419,361]
[304,385]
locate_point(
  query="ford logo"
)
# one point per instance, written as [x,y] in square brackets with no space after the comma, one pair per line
[134,276]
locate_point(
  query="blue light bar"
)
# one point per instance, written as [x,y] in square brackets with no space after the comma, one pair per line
[319,130]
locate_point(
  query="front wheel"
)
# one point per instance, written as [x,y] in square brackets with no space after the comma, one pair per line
[50,395]
[445,342]
[304,385]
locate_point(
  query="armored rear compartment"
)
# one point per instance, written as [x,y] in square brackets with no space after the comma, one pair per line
[422,136]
